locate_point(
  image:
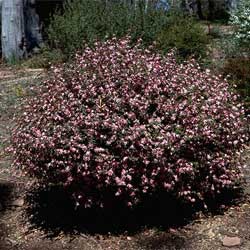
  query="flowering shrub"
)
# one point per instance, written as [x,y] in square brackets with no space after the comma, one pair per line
[123,123]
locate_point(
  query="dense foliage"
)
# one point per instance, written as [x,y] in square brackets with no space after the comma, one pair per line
[185,34]
[241,19]
[238,70]
[235,46]
[90,20]
[123,123]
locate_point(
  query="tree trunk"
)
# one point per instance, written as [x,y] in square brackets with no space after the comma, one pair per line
[13,35]
[190,6]
[199,10]
[211,8]
[146,5]
[32,27]
[232,4]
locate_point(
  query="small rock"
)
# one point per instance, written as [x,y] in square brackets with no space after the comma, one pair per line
[18,203]
[129,238]
[211,234]
[231,241]
[247,189]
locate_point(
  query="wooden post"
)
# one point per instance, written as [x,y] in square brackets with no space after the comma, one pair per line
[13,35]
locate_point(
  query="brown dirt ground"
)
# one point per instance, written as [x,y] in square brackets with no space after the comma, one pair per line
[37,228]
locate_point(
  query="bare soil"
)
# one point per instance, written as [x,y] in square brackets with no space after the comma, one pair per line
[32,218]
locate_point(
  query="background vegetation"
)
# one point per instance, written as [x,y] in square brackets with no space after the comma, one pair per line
[85,21]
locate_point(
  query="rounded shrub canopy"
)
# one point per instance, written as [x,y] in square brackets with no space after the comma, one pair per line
[122,122]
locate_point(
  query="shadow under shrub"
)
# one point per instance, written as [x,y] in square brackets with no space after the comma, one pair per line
[52,209]
[5,195]
[122,123]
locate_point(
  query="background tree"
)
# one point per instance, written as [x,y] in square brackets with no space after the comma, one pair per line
[20,28]
[13,35]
